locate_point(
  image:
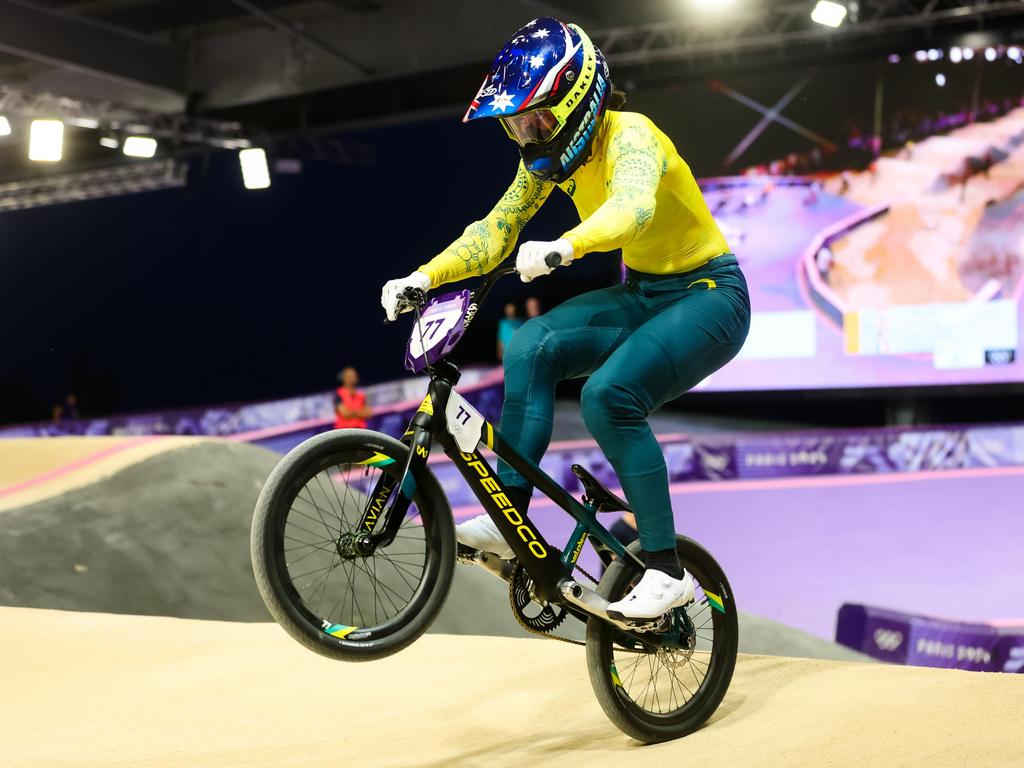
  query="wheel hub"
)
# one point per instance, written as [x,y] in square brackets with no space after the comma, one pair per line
[351,546]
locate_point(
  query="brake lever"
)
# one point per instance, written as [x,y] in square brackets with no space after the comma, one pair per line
[411,298]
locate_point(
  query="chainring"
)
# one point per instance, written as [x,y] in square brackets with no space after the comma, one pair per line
[521,597]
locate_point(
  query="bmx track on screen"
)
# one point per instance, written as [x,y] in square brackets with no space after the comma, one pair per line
[102,542]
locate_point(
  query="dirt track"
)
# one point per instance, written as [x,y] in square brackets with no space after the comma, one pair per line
[100,690]
[33,469]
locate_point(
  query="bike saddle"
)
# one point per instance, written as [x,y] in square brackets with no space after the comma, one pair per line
[596,494]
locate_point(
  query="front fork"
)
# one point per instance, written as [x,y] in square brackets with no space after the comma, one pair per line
[382,522]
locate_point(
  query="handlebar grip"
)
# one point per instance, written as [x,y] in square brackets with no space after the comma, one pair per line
[409,299]
[553,259]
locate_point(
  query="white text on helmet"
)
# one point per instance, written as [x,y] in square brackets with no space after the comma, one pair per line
[583,133]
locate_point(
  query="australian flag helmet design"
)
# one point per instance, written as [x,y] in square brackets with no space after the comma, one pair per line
[549,87]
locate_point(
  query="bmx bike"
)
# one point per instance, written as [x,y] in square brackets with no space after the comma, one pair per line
[353,549]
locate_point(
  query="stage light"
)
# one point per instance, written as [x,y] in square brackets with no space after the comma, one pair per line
[990,54]
[921,55]
[255,173]
[84,122]
[710,5]
[5,126]
[967,53]
[1014,53]
[110,142]
[940,79]
[934,54]
[139,146]
[955,55]
[894,58]
[828,13]
[46,141]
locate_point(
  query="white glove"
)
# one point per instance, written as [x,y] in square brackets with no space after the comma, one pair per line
[393,288]
[530,259]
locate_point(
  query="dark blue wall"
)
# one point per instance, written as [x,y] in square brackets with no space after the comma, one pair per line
[214,293]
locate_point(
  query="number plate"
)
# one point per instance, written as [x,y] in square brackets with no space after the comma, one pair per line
[441,325]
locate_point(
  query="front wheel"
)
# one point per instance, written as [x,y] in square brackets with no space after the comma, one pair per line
[660,691]
[326,591]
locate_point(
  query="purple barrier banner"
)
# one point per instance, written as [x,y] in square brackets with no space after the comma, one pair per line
[758,456]
[903,638]
[282,424]
[906,449]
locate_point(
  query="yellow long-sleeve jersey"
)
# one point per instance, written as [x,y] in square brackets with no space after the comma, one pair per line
[635,193]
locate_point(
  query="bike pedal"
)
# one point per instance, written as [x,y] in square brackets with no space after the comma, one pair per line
[642,625]
[465,555]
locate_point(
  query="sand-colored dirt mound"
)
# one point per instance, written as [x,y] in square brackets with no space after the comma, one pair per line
[165,536]
[32,469]
[169,536]
[99,690]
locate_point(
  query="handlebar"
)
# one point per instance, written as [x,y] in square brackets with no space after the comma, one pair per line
[416,298]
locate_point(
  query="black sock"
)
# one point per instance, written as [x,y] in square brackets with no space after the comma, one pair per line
[666,561]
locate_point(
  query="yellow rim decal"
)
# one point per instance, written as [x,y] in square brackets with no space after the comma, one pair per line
[716,602]
[489,439]
[377,460]
[615,676]
[340,630]
[710,283]
[426,406]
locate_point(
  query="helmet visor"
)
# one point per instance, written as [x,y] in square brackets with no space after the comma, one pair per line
[534,127]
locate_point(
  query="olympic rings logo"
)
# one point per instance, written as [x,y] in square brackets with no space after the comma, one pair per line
[888,639]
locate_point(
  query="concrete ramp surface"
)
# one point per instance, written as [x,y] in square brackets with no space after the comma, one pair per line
[103,690]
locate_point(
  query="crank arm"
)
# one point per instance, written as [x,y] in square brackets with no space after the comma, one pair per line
[491,563]
[592,603]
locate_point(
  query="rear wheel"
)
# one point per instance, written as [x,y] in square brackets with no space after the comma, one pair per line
[318,583]
[655,692]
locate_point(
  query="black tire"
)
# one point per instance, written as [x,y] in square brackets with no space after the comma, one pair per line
[429,518]
[603,643]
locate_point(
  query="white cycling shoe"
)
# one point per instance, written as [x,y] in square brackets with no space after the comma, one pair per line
[482,534]
[655,595]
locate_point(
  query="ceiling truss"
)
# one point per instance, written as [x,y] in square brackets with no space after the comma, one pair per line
[785,24]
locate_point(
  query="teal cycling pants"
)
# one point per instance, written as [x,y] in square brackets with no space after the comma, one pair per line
[641,344]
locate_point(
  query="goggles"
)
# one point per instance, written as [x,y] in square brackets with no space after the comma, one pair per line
[537,126]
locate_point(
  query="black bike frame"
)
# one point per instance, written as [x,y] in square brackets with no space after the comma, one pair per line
[547,566]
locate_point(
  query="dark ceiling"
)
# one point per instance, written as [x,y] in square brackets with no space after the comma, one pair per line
[282,67]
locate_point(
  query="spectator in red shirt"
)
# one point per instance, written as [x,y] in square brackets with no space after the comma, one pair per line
[350,409]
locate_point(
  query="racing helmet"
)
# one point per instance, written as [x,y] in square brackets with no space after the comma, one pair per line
[548,87]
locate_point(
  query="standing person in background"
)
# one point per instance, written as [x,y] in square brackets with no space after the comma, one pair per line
[350,409]
[532,308]
[66,411]
[506,327]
